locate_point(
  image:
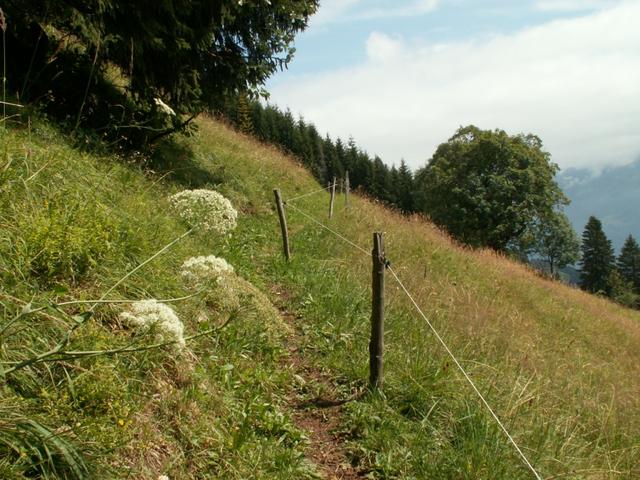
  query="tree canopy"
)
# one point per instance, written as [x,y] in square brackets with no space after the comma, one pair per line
[555,241]
[188,53]
[487,188]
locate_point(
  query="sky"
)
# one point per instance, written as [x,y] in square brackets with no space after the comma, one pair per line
[401,76]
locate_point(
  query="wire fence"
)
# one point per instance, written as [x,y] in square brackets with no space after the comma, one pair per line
[304,195]
[421,313]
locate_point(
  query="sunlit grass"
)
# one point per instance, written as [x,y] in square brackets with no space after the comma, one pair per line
[217,410]
[559,366]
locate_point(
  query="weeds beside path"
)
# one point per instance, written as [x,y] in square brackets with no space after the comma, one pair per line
[317,403]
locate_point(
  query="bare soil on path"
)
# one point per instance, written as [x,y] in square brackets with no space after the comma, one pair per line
[318,409]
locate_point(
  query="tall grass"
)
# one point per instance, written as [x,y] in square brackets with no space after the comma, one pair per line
[559,366]
[32,449]
[74,225]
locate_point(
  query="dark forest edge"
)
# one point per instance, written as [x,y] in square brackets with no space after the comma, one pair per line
[130,74]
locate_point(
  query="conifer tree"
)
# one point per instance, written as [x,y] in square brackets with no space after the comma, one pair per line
[319,168]
[395,187]
[405,188]
[351,162]
[628,262]
[332,161]
[190,55]
[380,185]
[287,127]
[259,122]
[342,158]
[244,120]
[598,258]
[301,143]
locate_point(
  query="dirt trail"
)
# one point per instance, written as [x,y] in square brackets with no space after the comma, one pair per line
[317,410]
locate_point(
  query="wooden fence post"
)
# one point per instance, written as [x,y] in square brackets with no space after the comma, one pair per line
[333,195]
[376,343]
[283,224]
[346,189]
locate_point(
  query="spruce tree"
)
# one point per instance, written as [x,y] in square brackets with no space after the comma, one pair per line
[406,188]
[341,156]
[331,160]
[394,181]
[191,55]
[380,184]
[351,156]
[244,122]
[259,122]
[629,262]
[598,258]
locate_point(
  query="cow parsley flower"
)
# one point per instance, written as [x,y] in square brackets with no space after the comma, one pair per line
[205,209]
[163,107]
[148,315]
[197,270]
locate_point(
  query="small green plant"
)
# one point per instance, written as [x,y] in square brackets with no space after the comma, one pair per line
[66,237]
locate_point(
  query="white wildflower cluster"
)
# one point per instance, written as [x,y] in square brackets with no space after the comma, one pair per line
[219,278]
[205,209]
[148,315]
[199,270]
[163,107]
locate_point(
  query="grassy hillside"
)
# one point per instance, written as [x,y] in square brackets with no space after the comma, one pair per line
[559,367]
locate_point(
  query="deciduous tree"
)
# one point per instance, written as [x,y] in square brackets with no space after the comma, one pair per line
[487,188]
[555,241]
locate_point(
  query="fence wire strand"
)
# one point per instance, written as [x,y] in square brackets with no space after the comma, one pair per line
[435,332]
[340,236]
[306,194]
[465,374]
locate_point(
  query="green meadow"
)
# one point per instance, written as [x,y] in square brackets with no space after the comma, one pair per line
[559,367]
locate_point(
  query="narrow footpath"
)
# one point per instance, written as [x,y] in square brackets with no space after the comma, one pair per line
[317,407]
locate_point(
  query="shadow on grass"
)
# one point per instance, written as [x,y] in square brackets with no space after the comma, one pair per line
[321,403]
[328,402]
[176,161]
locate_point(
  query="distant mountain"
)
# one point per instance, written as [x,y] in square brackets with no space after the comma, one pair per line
[613,197]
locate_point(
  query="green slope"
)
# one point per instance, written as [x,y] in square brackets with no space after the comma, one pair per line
[559,367]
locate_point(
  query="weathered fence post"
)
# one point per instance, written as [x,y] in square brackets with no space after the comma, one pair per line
[283,224]
[333,195]
[346,189]
[376,343]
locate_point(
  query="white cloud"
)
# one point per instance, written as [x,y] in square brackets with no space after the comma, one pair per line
[332,11]
[417,7]
[382,48]
[575,83]
[572,5]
